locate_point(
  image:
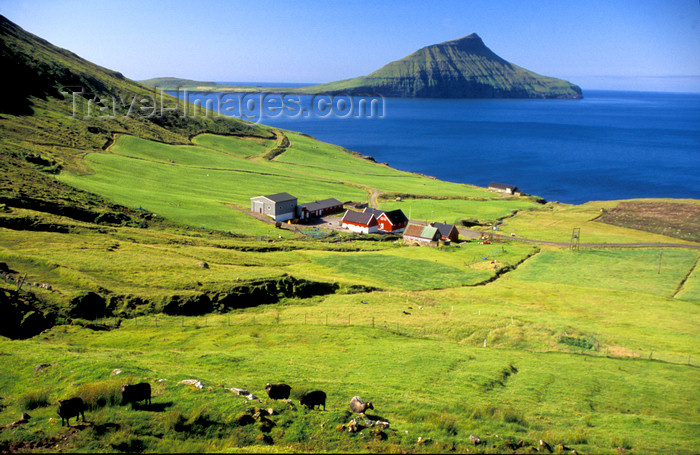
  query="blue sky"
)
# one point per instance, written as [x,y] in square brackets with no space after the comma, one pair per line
[611,44]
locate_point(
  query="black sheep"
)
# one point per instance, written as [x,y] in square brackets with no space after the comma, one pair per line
[278,391]
[136,392]
[72,407]
[313,399]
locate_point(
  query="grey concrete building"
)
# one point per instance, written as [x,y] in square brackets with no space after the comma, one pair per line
[279,207]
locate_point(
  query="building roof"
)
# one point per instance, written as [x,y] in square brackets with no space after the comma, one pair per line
[444,229]
[502,186]
[413,230]
[321,205]
[280,197]
[420,231]
[395,216]
[429,232]
[363,218]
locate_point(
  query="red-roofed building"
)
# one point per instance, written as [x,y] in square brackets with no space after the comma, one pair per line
[392,221]
[365,223]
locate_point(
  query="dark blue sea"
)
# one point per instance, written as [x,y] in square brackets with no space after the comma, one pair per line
[609,145]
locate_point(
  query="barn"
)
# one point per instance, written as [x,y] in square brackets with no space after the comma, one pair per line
[417,234]
[279,207]
[318,208]
[504,188]
[362,222]
[391,221]
[447,231]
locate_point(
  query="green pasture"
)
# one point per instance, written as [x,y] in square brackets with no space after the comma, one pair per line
[238,146]
[92,262]
[648,271]
[196,193]
[455,210]
[414,268]
[554,223]
[442,392]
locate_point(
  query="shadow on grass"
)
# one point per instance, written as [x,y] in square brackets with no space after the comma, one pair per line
[154,407]
[105,428]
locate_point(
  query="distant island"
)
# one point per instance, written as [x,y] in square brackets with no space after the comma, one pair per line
[461,68]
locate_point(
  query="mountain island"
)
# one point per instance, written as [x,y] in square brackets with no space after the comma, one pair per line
[461,68]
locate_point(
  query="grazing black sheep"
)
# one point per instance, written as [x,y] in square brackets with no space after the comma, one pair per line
[358,406]
[278,391]
[136,392]
[72,407]
[313,399]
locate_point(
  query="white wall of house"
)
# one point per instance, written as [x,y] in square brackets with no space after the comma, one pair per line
[361,229]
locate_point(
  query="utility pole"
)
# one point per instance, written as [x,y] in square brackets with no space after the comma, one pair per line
[575,238]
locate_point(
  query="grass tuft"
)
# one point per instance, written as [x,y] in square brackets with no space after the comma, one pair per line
[97,395]
[34,400]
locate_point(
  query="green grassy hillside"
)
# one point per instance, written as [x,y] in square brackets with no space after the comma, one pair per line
[127,255]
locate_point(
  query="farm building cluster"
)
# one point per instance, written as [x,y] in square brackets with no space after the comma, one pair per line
[284,207]
[373,220]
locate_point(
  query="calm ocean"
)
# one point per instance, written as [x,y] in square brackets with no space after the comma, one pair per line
[610,145]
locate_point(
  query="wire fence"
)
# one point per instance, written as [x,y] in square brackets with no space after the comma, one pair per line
[460,335]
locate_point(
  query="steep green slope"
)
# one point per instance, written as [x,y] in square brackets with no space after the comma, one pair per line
[62,106]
